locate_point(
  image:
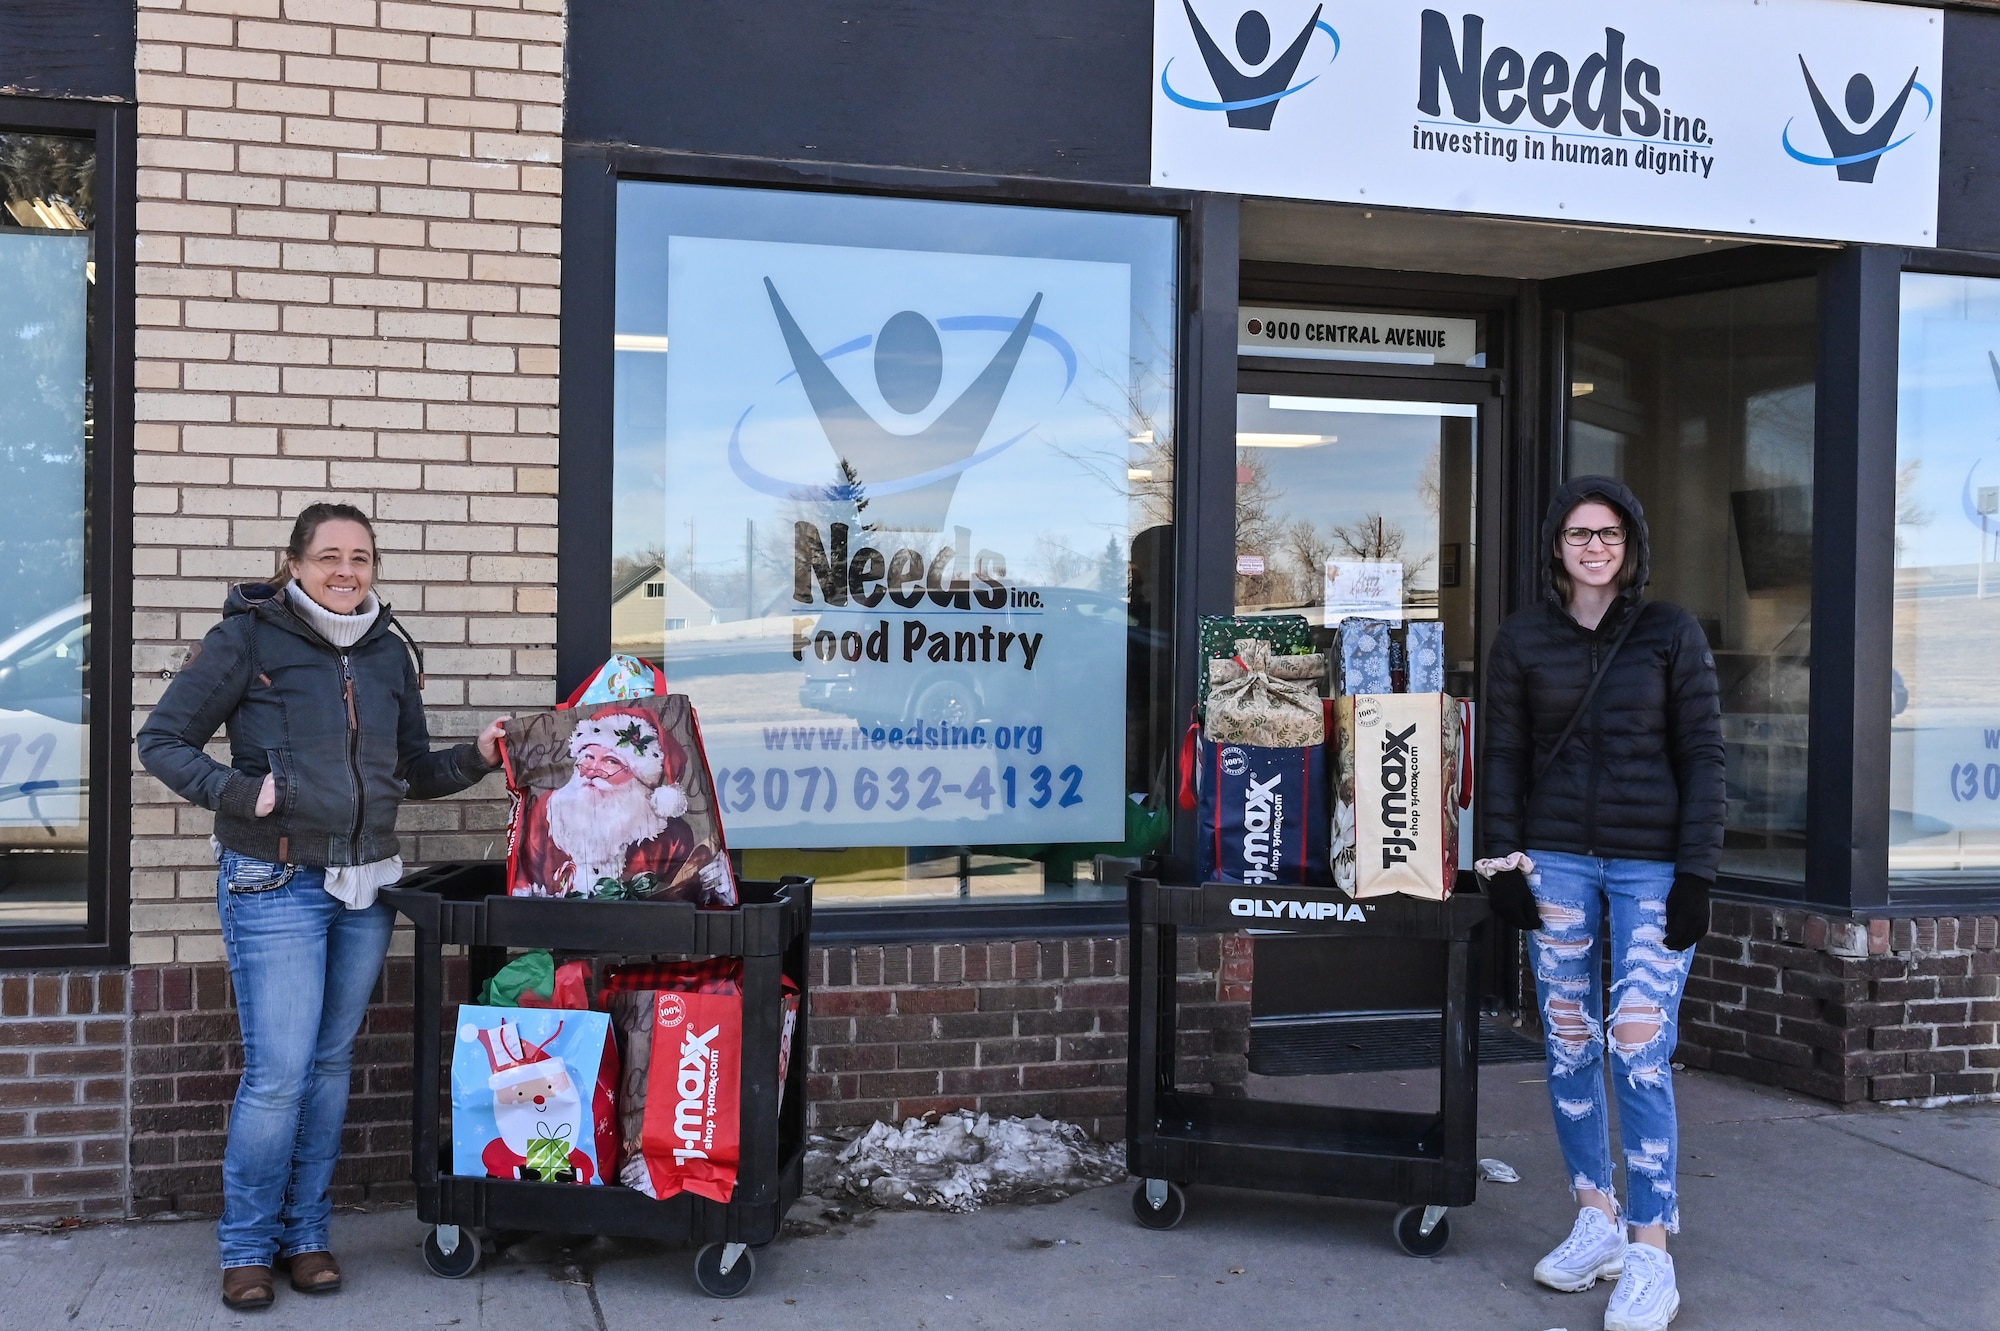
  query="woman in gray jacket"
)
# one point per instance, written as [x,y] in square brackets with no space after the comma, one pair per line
[326,738]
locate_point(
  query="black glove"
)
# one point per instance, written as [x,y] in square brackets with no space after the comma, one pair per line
[1687,911]
[1513,901]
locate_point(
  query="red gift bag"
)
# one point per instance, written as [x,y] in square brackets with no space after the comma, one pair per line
[615,801]
[689,1019]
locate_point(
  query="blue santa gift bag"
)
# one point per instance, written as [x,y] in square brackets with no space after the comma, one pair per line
[1261,814]
[523,1082]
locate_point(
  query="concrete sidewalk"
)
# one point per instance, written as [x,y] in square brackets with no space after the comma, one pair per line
[1798,1216]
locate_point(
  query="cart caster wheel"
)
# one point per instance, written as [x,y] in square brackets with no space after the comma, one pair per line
[1172,1204]
[461,1261]
[718,1283]
[1411,1238]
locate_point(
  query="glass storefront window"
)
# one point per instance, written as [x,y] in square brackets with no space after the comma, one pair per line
[1944,756]
[1363,507]
[893,503]
[46,215]
[1703,405]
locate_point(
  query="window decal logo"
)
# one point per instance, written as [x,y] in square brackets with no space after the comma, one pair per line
[907,479]
[1854,152]
[1250,100]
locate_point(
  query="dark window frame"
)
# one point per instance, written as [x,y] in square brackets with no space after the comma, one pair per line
[104,939]
[1207,315]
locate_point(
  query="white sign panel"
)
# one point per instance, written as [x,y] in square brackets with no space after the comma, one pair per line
[1398,339]
[1364,589]
[1811,118]
[941,657]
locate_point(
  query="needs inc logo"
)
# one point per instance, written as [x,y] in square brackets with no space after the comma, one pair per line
[1247,94]
[1856,143]
[907,477]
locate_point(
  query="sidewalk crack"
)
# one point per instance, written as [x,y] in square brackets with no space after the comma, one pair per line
[1832,1121]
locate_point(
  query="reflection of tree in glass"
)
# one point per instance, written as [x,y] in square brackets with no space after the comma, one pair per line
[53,170]
[1141,403]
[625,565]
[1430,483]
[1374,538]
[1258,530]
[1307,550]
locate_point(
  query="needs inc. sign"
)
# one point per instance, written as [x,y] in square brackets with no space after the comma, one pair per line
[1810,118]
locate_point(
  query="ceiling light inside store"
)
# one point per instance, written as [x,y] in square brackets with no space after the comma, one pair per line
[1582,390]
[1143,437]
[1250,439]
[1138,474]
[1372,406]
[639,342]
[48,214]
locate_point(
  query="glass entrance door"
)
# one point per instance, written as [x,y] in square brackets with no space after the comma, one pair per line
[1351,502]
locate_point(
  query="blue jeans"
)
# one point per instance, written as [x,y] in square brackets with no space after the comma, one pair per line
[303,966]
[1573,892]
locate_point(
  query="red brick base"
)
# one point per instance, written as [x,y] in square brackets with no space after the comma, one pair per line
[114,1087]
[62,1094]
[1844,1009]
[1010,1028]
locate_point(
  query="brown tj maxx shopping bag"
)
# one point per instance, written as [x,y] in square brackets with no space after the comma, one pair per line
[1403,775]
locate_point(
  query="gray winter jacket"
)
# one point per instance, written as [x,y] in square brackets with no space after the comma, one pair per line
[343,733]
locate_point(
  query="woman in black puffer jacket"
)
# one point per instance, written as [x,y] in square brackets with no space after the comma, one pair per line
[326,740]
[1604,804]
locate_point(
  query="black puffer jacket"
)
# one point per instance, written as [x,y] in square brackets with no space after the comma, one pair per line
[342,766]
[1642,777]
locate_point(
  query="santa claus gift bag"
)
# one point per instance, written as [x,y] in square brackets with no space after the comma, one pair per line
[615,801]
[522,1082]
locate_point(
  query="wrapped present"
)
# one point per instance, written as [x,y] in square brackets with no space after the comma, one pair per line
[1362,650]
[519,1105]
[1375,656]
[1423,654]
[1288,635]
[1402,774]
[1256,707]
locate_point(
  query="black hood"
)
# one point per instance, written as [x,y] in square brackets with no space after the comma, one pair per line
[1638,542]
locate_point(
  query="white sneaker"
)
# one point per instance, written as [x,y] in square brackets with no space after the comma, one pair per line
[1646,1299]
[1594,1249]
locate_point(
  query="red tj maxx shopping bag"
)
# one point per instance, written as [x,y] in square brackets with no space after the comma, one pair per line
[680,1117]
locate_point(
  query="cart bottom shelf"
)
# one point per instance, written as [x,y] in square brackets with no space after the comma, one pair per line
[1316,1150]
[561,1208]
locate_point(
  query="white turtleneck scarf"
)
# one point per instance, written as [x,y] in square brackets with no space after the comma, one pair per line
[354,885]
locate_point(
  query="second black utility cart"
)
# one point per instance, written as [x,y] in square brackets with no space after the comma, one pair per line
[1423,1162]
[771,930]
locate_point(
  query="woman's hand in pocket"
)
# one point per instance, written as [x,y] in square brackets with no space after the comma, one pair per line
[267,798]
[489,739]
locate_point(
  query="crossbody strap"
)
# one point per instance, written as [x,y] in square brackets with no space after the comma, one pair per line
[1576,717]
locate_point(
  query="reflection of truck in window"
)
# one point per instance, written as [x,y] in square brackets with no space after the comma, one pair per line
[1082,634]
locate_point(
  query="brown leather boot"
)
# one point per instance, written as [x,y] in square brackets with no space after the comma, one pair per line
[315,1273]
[246,1288]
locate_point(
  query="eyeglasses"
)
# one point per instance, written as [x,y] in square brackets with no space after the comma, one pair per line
[1582,535]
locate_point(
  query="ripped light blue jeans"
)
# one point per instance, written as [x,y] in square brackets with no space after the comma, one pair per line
[1575,893]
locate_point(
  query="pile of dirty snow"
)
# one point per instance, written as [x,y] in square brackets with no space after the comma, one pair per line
[961,1161]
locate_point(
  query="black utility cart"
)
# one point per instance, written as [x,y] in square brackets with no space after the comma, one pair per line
[1424,1162]
[465,904]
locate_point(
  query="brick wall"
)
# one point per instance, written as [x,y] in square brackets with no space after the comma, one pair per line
[348,269]
[187,1055]
[1010,1028]
[63,1094]
[1847,1010]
